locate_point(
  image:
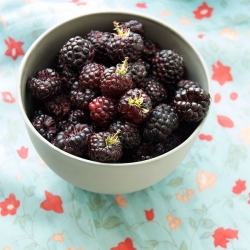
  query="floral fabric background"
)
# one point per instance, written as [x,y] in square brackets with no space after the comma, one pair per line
[203,204]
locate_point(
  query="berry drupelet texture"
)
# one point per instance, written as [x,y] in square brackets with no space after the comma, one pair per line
[191,102]
[168,66]
[135,106]
[115,81]
[156,91]
[90,76]
[129,133]
[99,39]
[77,52]
[58,106]
[134,26]
[104,147]
[124,44]
[46,83]
[162,121]
[102,111]
[74,139]
[45,125]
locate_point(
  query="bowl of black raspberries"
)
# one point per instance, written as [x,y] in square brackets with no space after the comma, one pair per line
[113,100]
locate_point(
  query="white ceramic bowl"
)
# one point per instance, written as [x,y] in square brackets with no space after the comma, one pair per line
[102,177]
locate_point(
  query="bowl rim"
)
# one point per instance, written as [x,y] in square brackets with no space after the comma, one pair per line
[108,11]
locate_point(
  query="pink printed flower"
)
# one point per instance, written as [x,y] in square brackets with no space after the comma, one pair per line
[120,200]
[229,33]
[126,245]
[52,202]
[245,135]
[203,11]
[8,97]
[221,73]
[149,214]
[14,48]
[9,205]
[222,236]
[239,187]
[141,5]
[78,2]
[23,152]
[205,180]
[58,237]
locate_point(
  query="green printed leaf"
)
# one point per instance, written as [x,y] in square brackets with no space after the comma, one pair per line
[192,222]
[204,208]
[97,224]
[31,246]
[24,219]
[112,222]
[198,211]
[29,191]
[183,246]
[17,220]
[205,235]
[229,203]
[96,203]
[78,214]
[207,223]
[152,243]
[175,182]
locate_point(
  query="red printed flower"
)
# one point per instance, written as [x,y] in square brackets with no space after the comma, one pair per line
[149,214]
[239,187]
[10,205]
[203,11]
[221,73]
[52,202]
[14,48]
[222,236]
[126,245]
[141,5]
[23,152]
[78,2]
[7,97]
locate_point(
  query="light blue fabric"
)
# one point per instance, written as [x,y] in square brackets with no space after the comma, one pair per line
[203,204]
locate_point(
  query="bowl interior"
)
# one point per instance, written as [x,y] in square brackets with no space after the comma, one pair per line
[42,53]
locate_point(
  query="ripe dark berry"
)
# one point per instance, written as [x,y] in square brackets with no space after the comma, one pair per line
[124,44]
[45,84]
[77,52]
[115,81]
[74,139]
[104,147]
[147,150]
[168,66]
[102,110]
[99,39]
[80,99]
[134,26]
[150,49]
[138,72]
[45,125]
[135,106]
[68,75]
[156,91]
[58,107]
[75,116]
[90,76]
[191,102]
[161,123]
[129,133]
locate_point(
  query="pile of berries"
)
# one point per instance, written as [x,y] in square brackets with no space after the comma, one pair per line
[116,97]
